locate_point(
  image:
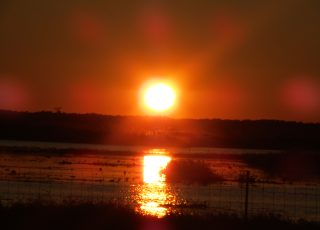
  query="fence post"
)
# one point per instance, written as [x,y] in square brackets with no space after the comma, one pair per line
[246,201]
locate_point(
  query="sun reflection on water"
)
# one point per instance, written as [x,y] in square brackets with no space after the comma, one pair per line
[152,168]
[154,196]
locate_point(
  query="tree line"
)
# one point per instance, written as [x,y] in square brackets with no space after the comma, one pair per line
[158,131]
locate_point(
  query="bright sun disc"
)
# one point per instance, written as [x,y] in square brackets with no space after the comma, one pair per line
[159,97]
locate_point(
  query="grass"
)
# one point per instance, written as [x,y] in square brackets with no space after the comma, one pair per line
[110,216]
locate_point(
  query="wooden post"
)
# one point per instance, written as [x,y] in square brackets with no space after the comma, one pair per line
[246,201]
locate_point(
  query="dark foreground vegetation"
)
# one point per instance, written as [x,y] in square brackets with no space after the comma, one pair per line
[109,216]
[157,131]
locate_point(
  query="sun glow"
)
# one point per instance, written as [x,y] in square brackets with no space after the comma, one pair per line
[159,97]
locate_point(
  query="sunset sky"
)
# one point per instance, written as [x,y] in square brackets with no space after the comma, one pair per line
[226,59]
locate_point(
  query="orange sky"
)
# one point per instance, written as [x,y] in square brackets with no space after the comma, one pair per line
[228,59]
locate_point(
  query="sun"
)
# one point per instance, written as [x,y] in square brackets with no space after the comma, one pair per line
[159,97]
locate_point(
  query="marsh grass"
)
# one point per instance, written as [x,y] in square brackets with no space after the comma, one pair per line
[191,172]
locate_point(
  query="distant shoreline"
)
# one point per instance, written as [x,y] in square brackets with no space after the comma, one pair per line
[19,145]
[159,132]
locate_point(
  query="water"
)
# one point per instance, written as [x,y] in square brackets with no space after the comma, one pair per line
[128,179]
[121,148]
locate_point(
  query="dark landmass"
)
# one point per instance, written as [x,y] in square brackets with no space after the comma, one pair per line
[158,131]
[109,216]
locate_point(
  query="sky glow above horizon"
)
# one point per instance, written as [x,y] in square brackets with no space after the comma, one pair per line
[230,60]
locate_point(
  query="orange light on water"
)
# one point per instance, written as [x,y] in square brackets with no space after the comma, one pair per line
[153,165]
[153,208]
[154,194]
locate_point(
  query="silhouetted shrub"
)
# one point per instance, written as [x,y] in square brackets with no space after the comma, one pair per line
[190,172]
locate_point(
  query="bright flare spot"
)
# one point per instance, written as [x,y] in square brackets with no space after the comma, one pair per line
[153,165]
[159,97]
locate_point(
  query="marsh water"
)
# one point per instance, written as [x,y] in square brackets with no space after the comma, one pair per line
[59,172]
